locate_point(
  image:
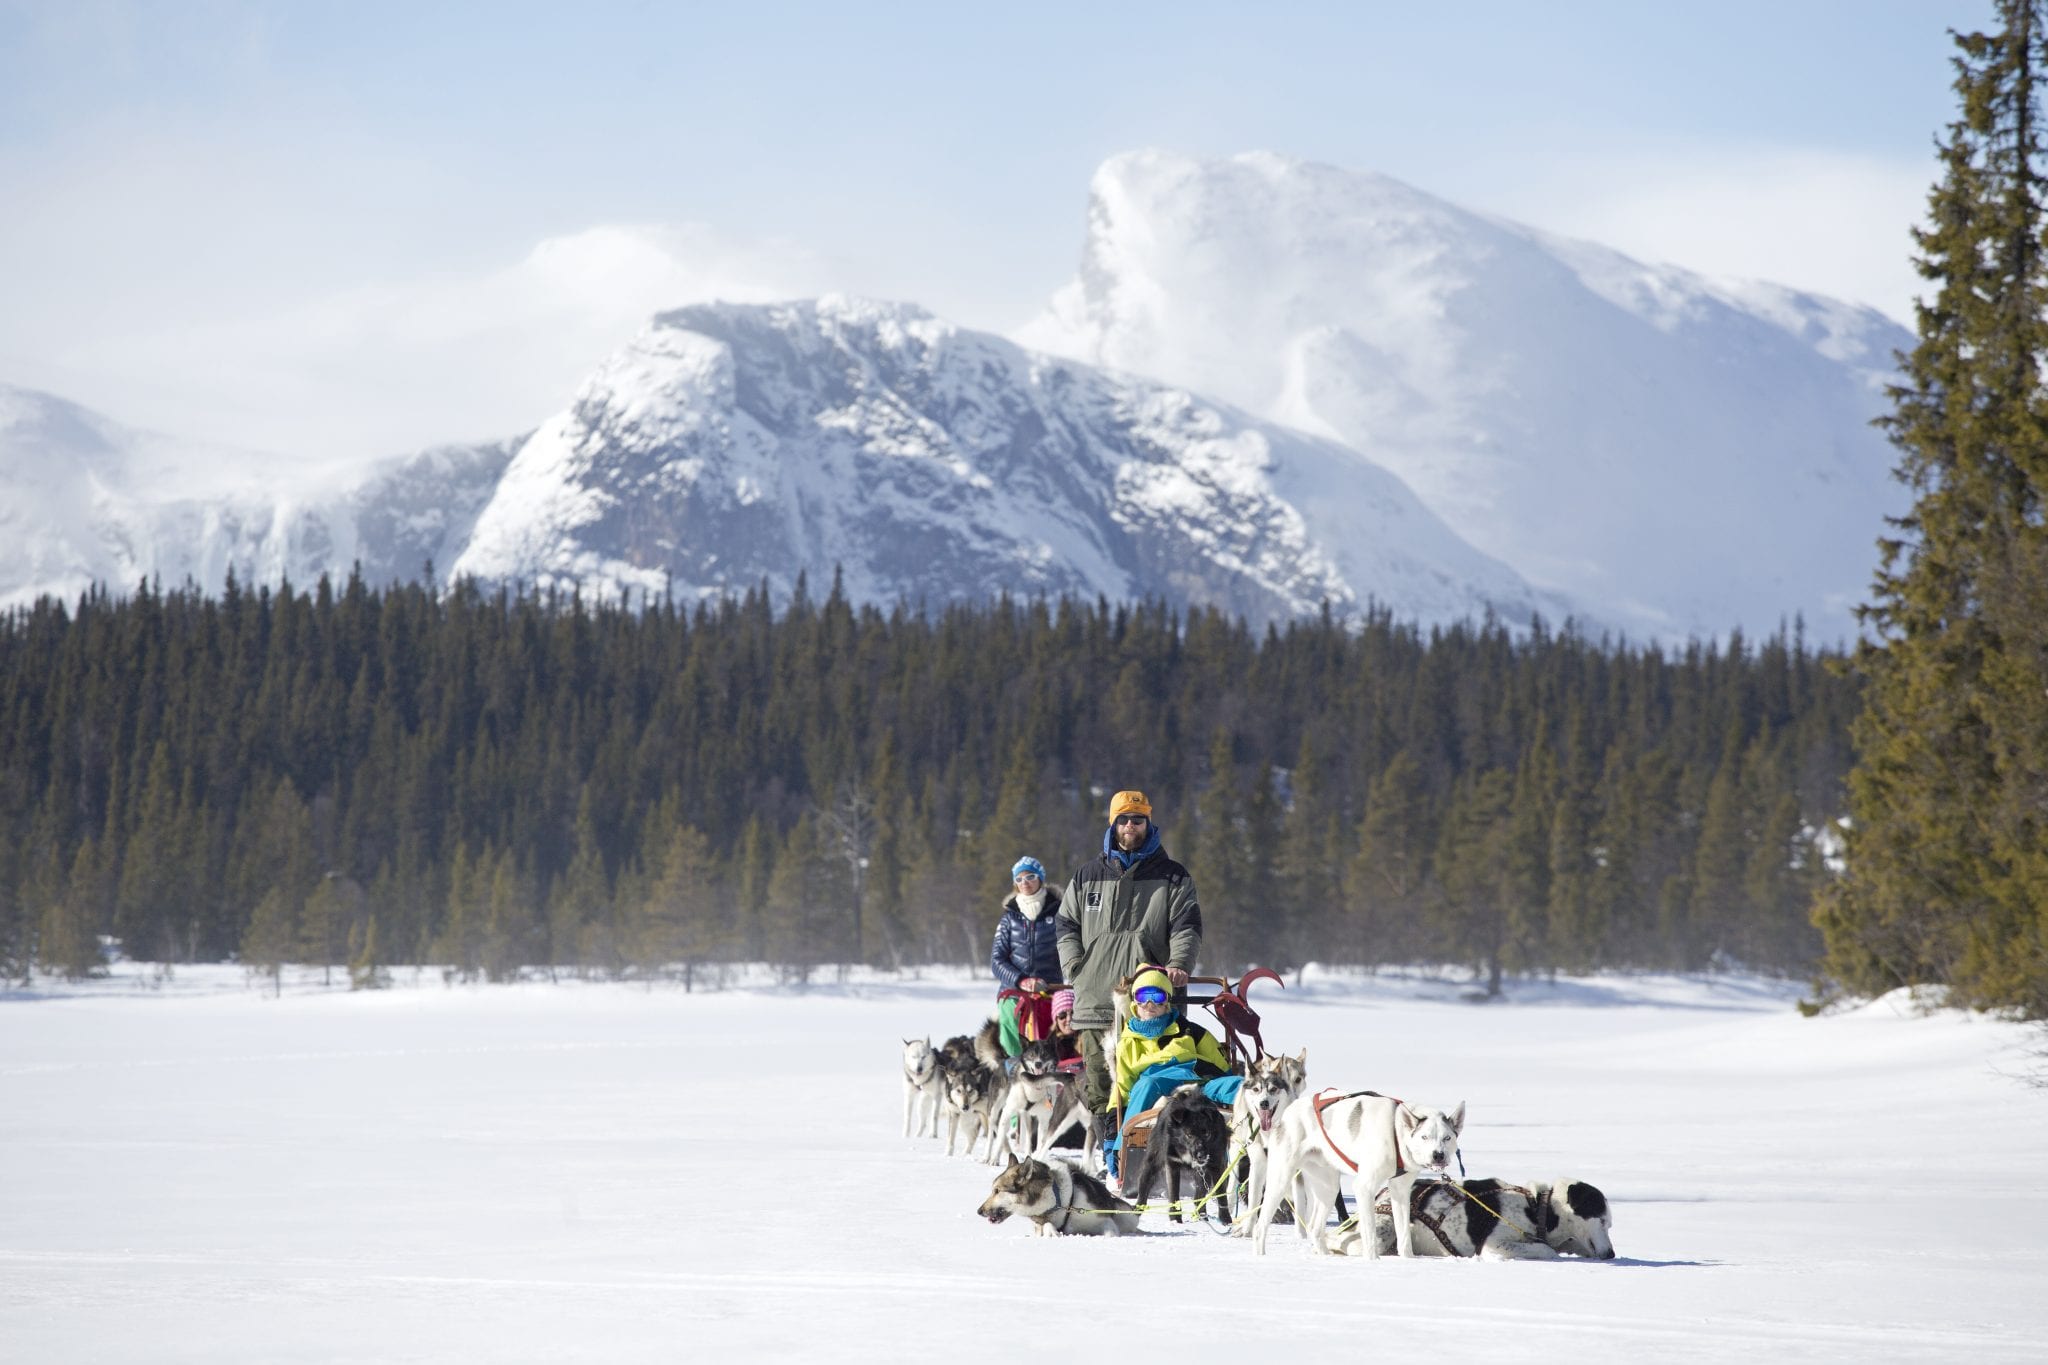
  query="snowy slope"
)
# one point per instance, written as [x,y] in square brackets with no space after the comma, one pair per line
[730,444]
[608,1173]
[84,499]
[1682,454]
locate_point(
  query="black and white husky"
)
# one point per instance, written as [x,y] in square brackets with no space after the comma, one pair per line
[1027,1106]
[922,1086]
[1059,1198]
[1190,1139]
[1269,1087]
[1499,1221]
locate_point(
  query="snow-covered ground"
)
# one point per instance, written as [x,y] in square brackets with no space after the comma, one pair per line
[195,1171]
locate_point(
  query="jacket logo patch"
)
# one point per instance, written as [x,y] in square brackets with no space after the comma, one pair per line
[1095,898]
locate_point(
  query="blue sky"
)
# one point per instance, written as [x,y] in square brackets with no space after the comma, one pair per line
[194,189]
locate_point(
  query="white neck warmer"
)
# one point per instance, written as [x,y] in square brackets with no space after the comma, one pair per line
[1032,904]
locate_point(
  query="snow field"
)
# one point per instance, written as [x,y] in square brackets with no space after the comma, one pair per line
[605,1172]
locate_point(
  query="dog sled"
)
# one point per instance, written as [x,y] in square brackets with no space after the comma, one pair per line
[1242,1044]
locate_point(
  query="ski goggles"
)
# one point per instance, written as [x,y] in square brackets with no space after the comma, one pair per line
[1149,995]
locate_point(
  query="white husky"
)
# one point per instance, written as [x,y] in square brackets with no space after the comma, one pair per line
[1387,1142]
[922,1086]
[1269,1087]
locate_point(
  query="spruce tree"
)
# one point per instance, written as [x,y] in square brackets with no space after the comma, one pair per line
[1386,881]
[679,925]
[366,964]
[272,935]
[69,943]
[1944,843]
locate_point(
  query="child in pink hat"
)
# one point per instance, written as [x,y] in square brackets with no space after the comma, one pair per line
[1065,1041]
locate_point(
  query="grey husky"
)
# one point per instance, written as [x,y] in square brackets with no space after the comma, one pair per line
[1499,1221]
[970,1102]
[1269,1087]
[1060,1199]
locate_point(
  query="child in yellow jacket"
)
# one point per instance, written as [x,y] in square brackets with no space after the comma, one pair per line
[1156,1035]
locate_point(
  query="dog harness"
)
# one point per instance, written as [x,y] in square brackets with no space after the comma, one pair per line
[1324,1099]
[1069,1209]
[1416,1197]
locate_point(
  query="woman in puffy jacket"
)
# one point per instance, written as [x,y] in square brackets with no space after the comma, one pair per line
[1025,953]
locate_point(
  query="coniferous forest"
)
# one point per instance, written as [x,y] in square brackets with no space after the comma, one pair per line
[500,783]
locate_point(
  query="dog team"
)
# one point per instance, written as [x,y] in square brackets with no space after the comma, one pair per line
[1237,1128]
[1280,1146]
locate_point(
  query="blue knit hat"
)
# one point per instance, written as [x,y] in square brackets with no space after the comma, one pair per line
[1028,864]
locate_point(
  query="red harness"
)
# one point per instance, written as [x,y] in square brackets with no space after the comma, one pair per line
[1324,1099]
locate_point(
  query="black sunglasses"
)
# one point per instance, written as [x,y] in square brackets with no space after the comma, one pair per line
[1130,819]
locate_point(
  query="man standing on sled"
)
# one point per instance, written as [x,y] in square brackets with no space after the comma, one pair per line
[1131,907]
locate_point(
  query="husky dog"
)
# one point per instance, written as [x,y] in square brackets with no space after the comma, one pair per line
[1035,1088]
[958,1051]
[922,1086]
[1502,1222]
[1269,1087]
[1068,1111]
[988,1045]
[1189,1137]
[970,1102]
[1387,1142]
[1060,1199]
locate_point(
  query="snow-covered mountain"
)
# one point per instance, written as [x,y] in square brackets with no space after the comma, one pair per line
[84,499]
[729,444]
[1683,455]
[1231,404]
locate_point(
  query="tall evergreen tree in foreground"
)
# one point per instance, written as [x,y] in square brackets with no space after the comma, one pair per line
[1947,848]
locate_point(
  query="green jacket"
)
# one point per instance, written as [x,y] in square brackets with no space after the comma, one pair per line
[1112,920]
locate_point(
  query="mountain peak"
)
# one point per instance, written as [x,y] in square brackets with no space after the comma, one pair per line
[728,444]
[1683,455]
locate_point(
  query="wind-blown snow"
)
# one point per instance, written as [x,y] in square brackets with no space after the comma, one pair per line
[1680,454]
[198,1172]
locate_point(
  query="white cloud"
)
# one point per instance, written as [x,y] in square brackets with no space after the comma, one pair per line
[1817,221]
[392,367]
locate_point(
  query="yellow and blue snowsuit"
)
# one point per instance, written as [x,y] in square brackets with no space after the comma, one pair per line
[1168,1041]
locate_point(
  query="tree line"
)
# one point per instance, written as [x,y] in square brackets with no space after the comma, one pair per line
[501,783]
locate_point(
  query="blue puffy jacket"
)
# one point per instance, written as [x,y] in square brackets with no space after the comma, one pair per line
[1026,947]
